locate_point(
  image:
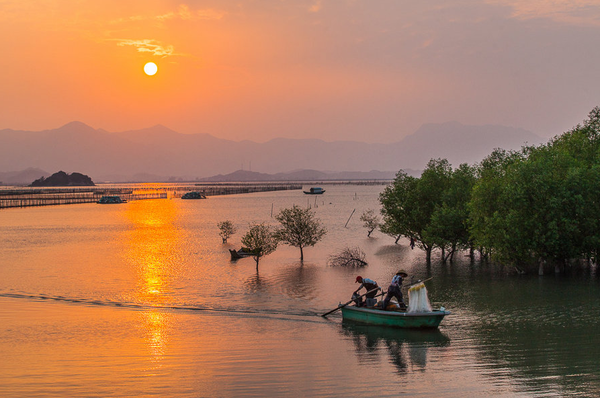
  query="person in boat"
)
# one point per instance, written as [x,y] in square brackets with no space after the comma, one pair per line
[368,284]
[394,290]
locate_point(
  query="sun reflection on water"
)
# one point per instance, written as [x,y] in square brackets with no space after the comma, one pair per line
[154,247]
[154,251]
[155,323]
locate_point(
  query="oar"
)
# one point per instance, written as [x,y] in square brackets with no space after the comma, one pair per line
[343,305]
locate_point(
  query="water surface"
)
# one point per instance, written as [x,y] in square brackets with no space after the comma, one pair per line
[142,299]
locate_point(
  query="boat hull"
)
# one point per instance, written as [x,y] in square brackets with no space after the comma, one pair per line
[111,199]
[315,191]
[426,320]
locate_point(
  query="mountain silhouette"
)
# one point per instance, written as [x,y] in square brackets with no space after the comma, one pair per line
[159,153]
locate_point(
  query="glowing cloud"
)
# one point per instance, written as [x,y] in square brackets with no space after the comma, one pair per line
[148,46]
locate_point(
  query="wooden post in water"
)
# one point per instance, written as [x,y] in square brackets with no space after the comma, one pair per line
[349,218]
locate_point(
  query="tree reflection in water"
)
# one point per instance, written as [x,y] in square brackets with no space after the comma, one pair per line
[406,347]
[257,284]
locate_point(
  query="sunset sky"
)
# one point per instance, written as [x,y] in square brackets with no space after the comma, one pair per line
[370,70]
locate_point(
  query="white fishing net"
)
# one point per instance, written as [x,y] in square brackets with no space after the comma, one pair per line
[417,299]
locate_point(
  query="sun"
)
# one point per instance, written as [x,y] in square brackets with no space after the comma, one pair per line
[150,68]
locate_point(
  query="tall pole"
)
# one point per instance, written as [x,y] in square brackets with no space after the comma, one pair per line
[349,218]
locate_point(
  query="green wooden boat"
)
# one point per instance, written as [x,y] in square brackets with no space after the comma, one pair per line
[398,319]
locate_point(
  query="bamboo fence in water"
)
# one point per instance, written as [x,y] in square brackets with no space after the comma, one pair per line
[26,197]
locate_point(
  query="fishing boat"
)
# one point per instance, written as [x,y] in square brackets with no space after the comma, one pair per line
[315,191]
[193,195]
[111,199]
[398,319]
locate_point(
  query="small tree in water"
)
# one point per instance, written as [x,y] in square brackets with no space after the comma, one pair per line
[348,257]
[370,221]
[299,228]
[226,230]
[260,241]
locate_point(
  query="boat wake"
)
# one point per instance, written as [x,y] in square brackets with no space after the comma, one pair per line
[304,316]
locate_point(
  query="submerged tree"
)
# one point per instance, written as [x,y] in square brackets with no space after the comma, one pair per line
[299,228]
[260,241]
[449,227]
[370,221]
[348,257]
[226,229]
[409,203]
[541,206]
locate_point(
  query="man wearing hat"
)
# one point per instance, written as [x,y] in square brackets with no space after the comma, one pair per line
[371,287]
[394,290]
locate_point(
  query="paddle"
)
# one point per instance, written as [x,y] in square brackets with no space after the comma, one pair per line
[343,305]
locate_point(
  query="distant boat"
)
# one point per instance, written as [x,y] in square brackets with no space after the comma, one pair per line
[193,195]
[315,191]
[111,199]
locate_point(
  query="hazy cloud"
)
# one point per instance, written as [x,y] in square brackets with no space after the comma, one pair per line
[183,12]
[148,46]
[574,12]
[316,6]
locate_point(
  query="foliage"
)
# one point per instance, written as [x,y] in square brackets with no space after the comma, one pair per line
[299,228]
[526,208]
[541,205]
[370,221]
[409,203]
[449,228]
[487,207]
[226,229]
[348,257]
[260,241]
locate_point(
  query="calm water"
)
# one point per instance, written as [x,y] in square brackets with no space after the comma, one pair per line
[142,299]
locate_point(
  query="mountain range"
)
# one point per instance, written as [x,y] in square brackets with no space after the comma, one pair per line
[159,153]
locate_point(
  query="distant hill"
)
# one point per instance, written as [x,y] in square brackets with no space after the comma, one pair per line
[161,154]
[461,143]
[306,175]
[23,177]
[62,179]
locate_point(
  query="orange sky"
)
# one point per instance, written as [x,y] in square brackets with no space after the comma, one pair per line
[340,69]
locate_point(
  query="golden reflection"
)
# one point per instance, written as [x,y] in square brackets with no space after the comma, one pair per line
[154,248]
[155,324]
[154,252]
[149,188]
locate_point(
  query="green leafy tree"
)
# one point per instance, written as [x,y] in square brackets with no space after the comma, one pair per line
[449,226]
[260,241]
[540,205]
[226,230]
[488,208]
[370,221]
[409,203]
[299,228]
[390,228]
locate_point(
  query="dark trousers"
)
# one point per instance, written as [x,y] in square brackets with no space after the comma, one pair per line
[393,291]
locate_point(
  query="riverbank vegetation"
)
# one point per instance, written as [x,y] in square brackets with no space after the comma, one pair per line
[534,208]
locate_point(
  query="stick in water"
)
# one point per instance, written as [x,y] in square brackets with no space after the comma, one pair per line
[349,218]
